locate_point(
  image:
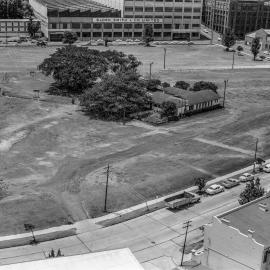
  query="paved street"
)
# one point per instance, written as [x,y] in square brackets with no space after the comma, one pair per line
[155,239]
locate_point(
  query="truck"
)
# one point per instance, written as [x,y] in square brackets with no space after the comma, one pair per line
[181,199]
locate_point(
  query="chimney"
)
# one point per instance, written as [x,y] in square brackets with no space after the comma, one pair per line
[250,233]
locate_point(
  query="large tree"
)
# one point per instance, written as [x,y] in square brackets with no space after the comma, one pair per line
[255,47]
[203,85]
[228,39]
[252,191]
[148,34]
[33,27]
[77,68]
[15,9]
[169,109]
[182,85]
[116,96]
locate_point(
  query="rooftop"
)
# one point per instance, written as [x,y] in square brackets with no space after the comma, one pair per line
[253,216]
[160,97]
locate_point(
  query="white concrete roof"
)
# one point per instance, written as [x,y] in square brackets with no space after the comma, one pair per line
[120,259]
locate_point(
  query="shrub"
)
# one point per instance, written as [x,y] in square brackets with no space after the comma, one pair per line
[182,85]
[202,85]
[152,84]
[240,48]
[165,84]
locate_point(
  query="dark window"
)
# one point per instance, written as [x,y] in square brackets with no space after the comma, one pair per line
[167,34]
[195,25]
[157,34]
[86,25]
[129,9]
[159,9]
[139,9]
[158,16]
[167,26]
[196,17]
[168,0]
[107,34]
[138,16]
[148,16]
[53,25]
[178,0]
[127,34]
[128,26]
[86,34]
[107,26]
[137,34]
[187,17]
[186,26]
[168,9]
[64,25]
[76,25]
[159,0]
[157,26]
[97,34]
[78,34]
[195,34]
[168,17]
[148,9]
[97,26]
[177,17]
[196,10]
[137,25]
[187,9]
[117,34]
[118,25]
[178,9]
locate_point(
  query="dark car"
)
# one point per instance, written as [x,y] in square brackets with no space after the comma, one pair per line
[229,183]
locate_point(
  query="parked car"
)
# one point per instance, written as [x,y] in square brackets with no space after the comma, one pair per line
[246,177]
[229,183]
[266,168]
[219,38]
[214,189]
[182,199]
[205,30]
[41,43]
[266,52]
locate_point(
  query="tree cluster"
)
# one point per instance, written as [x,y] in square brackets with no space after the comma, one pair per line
[228,39]
[15,9]
[69,37]
[148,34]
[169,109]
[252,191]
[182,85]
[202,85]
[200,182]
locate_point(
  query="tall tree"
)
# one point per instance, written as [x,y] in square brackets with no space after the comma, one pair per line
[228,39]
[255,47]
[252,191]
[169,109]
[33,27]
[200,182]
[148,34]
[116,96]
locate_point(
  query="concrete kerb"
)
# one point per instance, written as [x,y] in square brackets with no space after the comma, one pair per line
[107,220]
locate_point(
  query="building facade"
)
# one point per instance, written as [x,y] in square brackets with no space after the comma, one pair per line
[239,239]
[263,35]
[10,28]
[170,19]
[240,16]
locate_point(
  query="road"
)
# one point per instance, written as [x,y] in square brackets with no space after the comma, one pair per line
[156,239]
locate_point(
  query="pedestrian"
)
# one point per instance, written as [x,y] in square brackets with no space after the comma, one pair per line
[59,253]
[52,253]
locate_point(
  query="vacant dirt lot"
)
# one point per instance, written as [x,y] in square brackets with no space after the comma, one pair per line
[51,152]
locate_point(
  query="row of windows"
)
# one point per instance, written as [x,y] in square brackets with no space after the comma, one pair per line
[161,16]
[161,9]
[14,29]
[120,26]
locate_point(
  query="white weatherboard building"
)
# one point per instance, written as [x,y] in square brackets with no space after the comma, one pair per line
[239,239]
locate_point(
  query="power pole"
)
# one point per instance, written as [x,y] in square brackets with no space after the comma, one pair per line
[233,60]
[213,18]
[187,225]
[164,61]
[255,154]
[225,88]
[151,69]
[106,191]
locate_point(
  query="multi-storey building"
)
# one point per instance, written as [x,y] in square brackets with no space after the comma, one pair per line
[171,19]
[240,16]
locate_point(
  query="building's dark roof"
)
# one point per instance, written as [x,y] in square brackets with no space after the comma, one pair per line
[192,97]
[160,97]
[73,5]
[251,217]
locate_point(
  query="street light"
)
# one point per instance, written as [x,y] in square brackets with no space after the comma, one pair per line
[233,60]
[187,225]
[164,62]
[255,154]
[150,65]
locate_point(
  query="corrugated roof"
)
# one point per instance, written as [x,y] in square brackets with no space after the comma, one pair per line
[192,97]
[251,217]
[160,97]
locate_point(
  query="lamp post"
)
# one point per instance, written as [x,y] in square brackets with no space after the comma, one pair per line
[225,88]
[187,225]
[255,154]
[164,60]
[150,66]
[233,60]
[106,190]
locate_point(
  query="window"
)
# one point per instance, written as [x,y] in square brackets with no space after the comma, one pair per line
[167,34]
[148,9]
[186,26]
[107,26]
[157,34]
[178,9]
[86,34]
[167,26]
[137,34]
[196,10]
[168,17]
[178,0]
[129,9]
[128,26]
[196,17]
[195,25]
[65,25]
[148,16]
[138,16]
[118,25]
[117,34]
[158,16]
[97,26]
[187,9]
[159,9]
[127,34]
[53,25]
[177,17]
[157,26]
[168,9]
[187,17]
[84,25]
[137,25]
[97,34]
[138,9]
[76,25]
[107,34]
[168,0]
[159,0]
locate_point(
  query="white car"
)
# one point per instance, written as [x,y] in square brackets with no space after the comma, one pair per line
[219,38]
[246,177]
[266,52]
[266,168]
[214,189]
[205,30]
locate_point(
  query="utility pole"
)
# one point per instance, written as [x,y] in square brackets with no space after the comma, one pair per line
[151,69]
[187,225]
[212,21]
[164,62]
[255,154]
[106,191]
[233,60]
[225,88]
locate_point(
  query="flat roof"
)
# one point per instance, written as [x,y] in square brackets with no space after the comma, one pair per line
[251,217]
[120,259]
